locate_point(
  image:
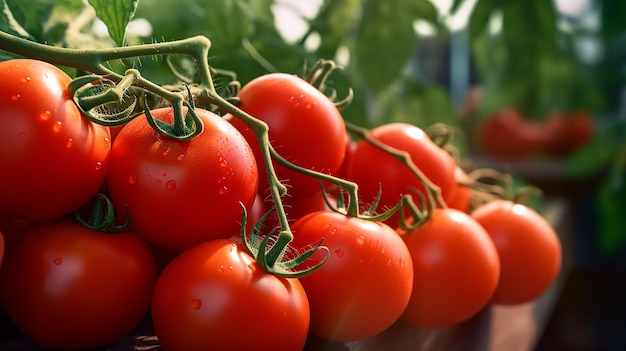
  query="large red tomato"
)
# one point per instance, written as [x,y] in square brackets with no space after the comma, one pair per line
[215,296]
[371,167]
[528,247]
[67,287]
[366,282]
[305,128]
[456,269]
[180,193]
[53,160]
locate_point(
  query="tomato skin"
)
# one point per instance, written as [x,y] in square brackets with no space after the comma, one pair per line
[305,128]
[215,296]
[567,132]
[528,247]
[366,282]
[371,167]
[506,134]
[456,269]
[180,193]
[68,287]
[53,160]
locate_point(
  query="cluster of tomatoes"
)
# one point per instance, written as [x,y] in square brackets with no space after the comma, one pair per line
[180,259]
[508,134]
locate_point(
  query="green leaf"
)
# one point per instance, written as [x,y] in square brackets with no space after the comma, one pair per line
[333,23]
[611,235]
[385,41]
[115,14]
[481,13]
[9,24]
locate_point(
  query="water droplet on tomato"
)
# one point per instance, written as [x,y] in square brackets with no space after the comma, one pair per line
[98,166]
[45,115]
[292,98]
[339,252]
[167,151]
[57,126]
[132,179]
[308,106]
[223,190]
[16,97]
[26,79]
[158,182]
[180,157]
[360,239]
[69,143]
[170,185]
[21,135]
[57,261]
[196,304]
[107,142]
[223,162]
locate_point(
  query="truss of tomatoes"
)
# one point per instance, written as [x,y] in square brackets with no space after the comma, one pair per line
[508,134]
[180,261]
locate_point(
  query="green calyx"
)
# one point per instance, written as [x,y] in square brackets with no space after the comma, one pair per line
[270,250]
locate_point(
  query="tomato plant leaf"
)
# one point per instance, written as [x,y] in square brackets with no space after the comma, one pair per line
[333,23]
[385,41]
[115,14]
[9,24]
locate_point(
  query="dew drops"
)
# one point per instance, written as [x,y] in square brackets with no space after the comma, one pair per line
[132,179]
[158,182]
[57,126]
[223,162]
[308,106]
[107,142]
[69,143]
[339,252]
[57,261]
[223,190]
[98,166]
[26,79]
[45,115]
[196,304]
[180,157]
[170,185]
[21,135]
[167,151]
[360,239]
[16,97]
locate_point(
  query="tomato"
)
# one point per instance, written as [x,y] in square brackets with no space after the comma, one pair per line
[507,134]
[456,269]
[180,193]
[53,160]
[366,282]
[371,167]
[462,197]
[567,132]
[67,287]
[528,247]
[305,128]
[215,296]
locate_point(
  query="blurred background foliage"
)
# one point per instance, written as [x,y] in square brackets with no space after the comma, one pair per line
[406,60]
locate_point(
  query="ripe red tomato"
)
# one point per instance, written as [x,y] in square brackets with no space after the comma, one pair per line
[366,282]
[462,197]
[53,160]
[180,193]
[371,167]
[456,269]
[67,287]
[506,134]
[567,132]
[305,128]
[528,247]
[215,296]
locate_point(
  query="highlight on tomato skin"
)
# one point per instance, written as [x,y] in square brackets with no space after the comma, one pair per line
[529,249]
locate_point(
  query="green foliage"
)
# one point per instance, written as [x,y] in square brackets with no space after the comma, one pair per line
[115,14]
